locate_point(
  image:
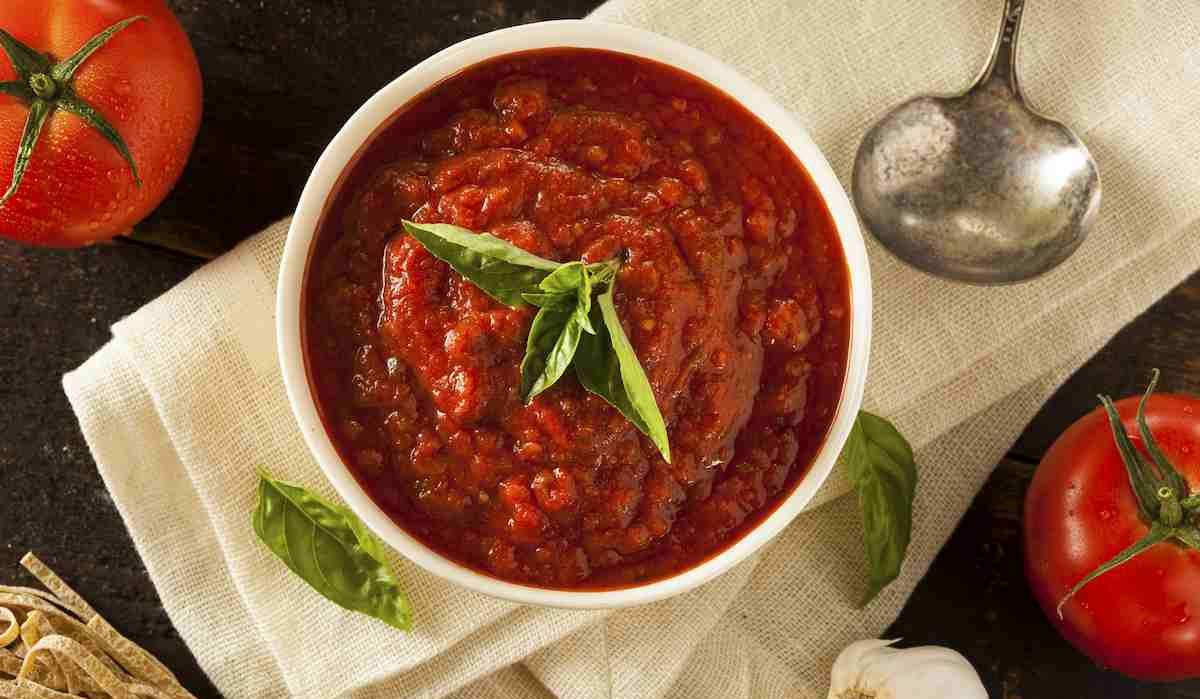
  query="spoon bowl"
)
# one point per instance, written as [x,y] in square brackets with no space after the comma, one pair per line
[977,187]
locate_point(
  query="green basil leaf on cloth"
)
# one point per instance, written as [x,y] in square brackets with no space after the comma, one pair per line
[879,462]
[330,549]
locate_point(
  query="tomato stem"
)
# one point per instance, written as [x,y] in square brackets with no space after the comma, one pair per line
[1169,511]
[1143,484]
[1158,533]
[1163,495]
[1167,473]
[47,88]
[43,86]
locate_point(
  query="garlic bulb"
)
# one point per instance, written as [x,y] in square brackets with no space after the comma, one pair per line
[872,670]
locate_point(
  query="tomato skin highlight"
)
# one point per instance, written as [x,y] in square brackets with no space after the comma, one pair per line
[145,81]
[1141,619]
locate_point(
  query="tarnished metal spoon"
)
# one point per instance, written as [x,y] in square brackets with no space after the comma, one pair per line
[977,187]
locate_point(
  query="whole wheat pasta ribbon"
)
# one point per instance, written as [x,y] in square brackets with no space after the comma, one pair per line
[53,644]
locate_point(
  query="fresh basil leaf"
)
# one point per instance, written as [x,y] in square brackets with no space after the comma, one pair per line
[572,280]
[633,377]
[602,272]
[542,299]
[595,275]
[879,462]
[330,549]
[583,309]
[566,279]
[553,340]
[607,365]
[501,269]
[567,319]
[599,371]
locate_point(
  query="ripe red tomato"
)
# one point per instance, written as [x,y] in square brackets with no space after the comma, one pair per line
[1143,617]
[144,81]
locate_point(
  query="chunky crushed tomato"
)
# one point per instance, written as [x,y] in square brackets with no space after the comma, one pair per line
[733,291]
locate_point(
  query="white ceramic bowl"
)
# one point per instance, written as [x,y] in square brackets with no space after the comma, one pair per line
[581,34]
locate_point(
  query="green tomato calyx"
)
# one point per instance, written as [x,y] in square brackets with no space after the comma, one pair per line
[43,86]
[46,88]
[1163,494]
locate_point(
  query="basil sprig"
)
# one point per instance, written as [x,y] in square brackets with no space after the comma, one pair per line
[330,549]
[554,335]
[501,269]
[607,366]
[576,322]
[879,462]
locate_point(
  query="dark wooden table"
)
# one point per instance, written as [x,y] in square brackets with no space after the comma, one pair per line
[278,84]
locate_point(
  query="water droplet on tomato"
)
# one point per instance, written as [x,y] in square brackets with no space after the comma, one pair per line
[1185,449]
[113,175]
[1180,613]
[122,87]
[1107,513]
[1187,410]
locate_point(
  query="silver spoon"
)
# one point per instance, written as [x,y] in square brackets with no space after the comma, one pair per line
[977,187]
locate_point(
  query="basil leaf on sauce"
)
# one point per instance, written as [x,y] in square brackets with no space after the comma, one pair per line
[566,279]
[607,365]
[542,299]
[602,272]
[595,276]
[570,319]
[880,464]
[502,270]
[330,549]
[556,330]
[553,340]
[599,370]
[573,280]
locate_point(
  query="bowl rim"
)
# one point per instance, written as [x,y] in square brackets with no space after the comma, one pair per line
[564,34]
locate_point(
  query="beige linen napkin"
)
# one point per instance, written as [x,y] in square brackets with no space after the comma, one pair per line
[186,400]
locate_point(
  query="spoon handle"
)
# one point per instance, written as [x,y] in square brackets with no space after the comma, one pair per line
[1001,68]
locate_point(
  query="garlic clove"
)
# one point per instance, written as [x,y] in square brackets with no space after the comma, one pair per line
[871,669]
[848,667]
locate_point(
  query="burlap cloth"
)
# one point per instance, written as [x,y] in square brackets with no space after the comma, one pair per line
[187,399]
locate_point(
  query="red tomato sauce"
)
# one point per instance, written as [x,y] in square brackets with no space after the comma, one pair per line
[734,293]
